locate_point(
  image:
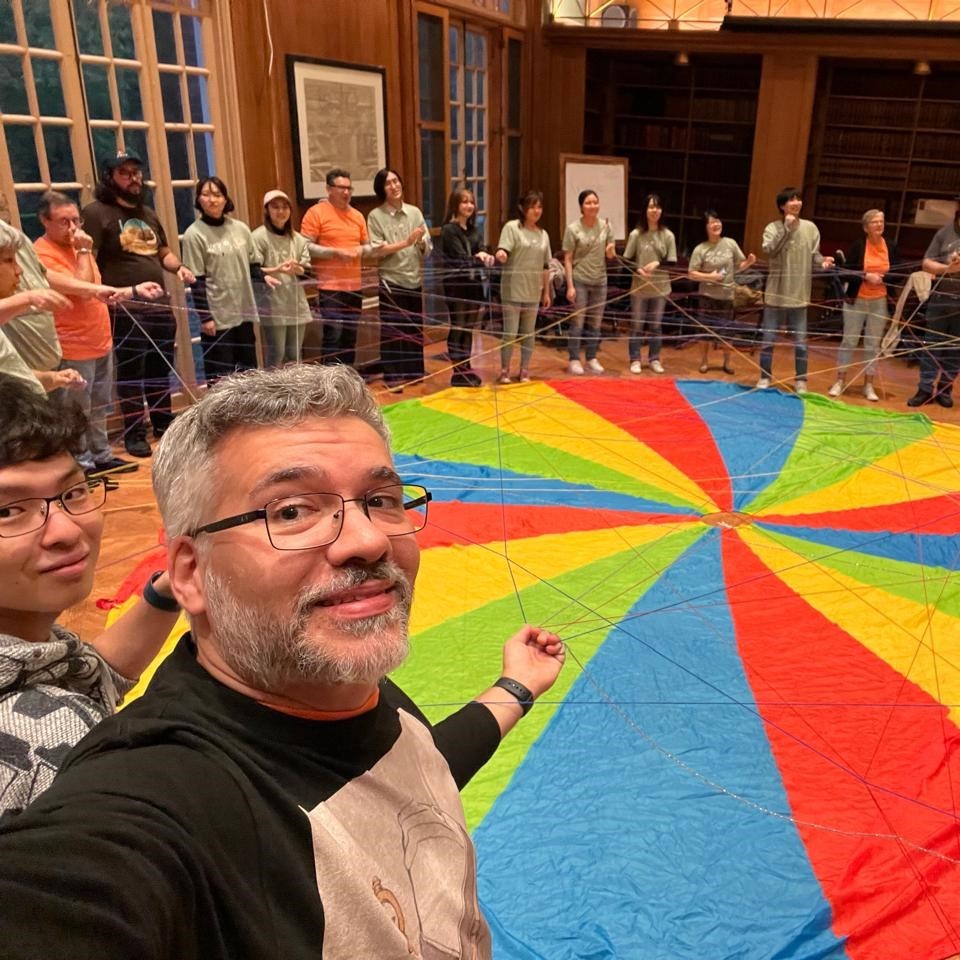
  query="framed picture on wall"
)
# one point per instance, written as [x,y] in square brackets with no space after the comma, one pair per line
[338,119]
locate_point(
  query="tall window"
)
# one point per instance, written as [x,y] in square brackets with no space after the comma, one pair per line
[470,96]
[77,85]
[468,113]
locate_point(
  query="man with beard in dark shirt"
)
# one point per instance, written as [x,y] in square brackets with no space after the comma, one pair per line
[131,248]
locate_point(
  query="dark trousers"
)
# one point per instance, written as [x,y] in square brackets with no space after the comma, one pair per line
[463,306]
[401,333]
[340,311]
[940,355]
[143,339]
[227,351]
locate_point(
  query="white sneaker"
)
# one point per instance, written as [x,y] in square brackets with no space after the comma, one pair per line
[595,365]
[504,378]
[656,366]
[870,393]
[836,389]
[576,368]
[763,383]
[635,366]
[800,387]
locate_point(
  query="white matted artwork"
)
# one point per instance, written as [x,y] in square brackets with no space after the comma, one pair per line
[338,119]
[608,176]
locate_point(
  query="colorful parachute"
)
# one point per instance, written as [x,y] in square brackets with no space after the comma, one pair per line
[753,751]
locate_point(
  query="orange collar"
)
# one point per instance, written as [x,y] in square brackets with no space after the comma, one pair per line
[326,715]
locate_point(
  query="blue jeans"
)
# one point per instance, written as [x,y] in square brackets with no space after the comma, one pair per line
[796,320]
[940,357]
[590,301]
[646,311]
[94,400]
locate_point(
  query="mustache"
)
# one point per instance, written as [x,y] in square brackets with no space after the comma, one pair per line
[353,576]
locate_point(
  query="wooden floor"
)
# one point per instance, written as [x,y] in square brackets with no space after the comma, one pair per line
[133,522]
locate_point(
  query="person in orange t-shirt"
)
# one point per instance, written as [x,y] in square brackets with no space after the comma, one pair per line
[83,328]
[339,240]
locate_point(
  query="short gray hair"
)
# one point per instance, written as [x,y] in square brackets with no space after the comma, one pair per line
[10,239]
[869,215]
[184,476]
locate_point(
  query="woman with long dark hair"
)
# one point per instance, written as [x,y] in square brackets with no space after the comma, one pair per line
[219,251]
[461,247]
[651,247]
[524,251]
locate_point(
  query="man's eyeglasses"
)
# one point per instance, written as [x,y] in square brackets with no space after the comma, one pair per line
[26,516]
[305,521]
[343,186]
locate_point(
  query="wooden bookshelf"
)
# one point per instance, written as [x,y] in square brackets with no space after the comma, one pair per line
[687,130]
[882,137]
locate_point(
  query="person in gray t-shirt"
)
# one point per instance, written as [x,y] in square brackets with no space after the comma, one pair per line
[792,247]
[940,360]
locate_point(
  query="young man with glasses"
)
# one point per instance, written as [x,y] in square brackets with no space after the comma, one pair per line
[53,687]
[272,794]
[131,249]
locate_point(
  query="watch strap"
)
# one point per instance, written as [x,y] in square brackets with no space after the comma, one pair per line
[150,595]
[518,690]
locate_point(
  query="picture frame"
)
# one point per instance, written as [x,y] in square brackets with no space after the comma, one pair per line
[338,119]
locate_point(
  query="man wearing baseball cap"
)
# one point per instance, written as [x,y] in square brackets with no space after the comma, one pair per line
[131,248]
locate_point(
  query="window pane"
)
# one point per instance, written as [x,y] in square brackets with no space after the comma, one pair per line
[27,204]
[183,198]
[8,28]
[454,50]
[13,96]
[192,41]
[514,57]
[59,154]
[179,157]
[476,49]
[135,142]
[481,96]
[203,149]
[454,83]
[46,77]
[468,131]
[128,89]
[456,171]
[430,37]
[36,13]
[163,31]
[513,170]
[88,26]
[98,93]
[121,31]
[481,126]
[433,178]
[481,157]
[172,101]
[23,153]
[104,145]
[454,123]
[199,99]
[469,152]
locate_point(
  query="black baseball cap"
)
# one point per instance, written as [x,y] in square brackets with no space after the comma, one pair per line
[111,163]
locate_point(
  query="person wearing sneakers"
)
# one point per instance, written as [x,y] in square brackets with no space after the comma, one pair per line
[587,244]
[131,249]
[54,687]
[84,327]
[714,264]
[940,358]
[792,247]
[524,252]
[868,272]
[650,247]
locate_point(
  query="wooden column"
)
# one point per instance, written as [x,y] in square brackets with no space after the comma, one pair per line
[784,112]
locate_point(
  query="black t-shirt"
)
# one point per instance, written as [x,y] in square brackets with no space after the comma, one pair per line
[197,823]
[127,241]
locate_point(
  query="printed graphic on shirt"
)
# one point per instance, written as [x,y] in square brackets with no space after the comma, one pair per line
[396,869]
[137,236]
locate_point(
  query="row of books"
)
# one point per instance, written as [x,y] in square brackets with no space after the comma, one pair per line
[868,143]
[872,113]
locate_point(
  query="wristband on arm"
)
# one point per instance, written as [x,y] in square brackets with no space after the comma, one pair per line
[158,602]
[517,689]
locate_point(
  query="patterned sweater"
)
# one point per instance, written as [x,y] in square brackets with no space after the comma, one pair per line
[51,695]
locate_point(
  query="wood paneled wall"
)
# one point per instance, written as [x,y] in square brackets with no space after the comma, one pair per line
[352,31]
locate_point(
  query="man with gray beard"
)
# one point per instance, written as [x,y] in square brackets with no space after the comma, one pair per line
[272,794]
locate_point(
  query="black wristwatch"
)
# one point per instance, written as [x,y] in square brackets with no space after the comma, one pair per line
[523,695]
[150,595]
